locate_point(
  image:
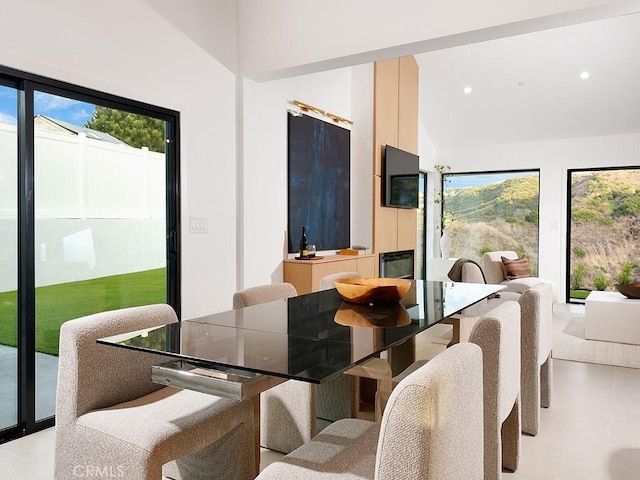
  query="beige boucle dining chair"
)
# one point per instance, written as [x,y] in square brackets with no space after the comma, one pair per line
[431,429]
[288,412]
[111,420]
[536,306]
[498,335]
[326,282]
[494,271]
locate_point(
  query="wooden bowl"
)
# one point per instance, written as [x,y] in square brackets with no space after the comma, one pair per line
[372,290]
[631,290]
[372,316]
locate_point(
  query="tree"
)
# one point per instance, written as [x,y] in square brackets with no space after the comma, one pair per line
[133,129]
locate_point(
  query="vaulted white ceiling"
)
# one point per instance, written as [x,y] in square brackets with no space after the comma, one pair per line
[527,87]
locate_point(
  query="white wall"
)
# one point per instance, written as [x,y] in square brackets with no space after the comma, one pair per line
[553,158]
[265,161]
[428,159]
[127,48]
[362,155]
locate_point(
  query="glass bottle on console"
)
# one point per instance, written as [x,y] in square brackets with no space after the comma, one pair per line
[304,252]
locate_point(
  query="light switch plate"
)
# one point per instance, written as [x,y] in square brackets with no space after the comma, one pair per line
[198,224]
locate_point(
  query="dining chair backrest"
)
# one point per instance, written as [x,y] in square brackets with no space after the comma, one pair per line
[432,426]
[498,335]
[288,412]
[471,273]
[326,282]
[90,375]
[431,429]
[263,294]
[536,305]
[536,360]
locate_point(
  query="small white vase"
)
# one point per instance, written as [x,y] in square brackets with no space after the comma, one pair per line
[445,243]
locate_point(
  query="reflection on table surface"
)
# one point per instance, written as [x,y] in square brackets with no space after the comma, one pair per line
[312,337]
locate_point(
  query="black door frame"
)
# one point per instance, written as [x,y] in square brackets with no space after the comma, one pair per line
[26,84]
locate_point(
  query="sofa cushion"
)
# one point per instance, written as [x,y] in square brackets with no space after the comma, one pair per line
[518,268]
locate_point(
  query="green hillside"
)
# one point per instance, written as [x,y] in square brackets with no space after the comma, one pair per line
[497,216]
[514,200]
[604,196]
[605,227]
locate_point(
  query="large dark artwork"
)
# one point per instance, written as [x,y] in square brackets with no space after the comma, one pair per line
[318,182]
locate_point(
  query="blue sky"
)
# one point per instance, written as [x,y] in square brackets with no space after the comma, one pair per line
[60,108]
[476,180]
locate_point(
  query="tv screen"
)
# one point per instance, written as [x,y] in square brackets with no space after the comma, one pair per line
[401,177]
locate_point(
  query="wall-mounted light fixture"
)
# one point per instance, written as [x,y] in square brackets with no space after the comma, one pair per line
[338,119]
[305,107]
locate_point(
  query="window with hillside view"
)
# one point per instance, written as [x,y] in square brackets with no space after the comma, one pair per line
[604,228]
[489,211]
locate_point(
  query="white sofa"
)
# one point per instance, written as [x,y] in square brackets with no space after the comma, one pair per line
[494,273]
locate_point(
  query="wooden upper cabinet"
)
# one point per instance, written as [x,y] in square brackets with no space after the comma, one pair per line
[395,123]
[385,108]
[408,104]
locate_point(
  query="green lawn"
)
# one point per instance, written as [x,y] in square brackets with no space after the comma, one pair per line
[56,304]
[580,294]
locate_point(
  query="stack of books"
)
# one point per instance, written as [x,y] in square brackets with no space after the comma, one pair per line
[354,251]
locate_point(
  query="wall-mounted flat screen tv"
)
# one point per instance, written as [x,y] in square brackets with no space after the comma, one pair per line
[401,177]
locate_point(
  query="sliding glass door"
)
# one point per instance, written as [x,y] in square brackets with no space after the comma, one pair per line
[8,258]
[88,223]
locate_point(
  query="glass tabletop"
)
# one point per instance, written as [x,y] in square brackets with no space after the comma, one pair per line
[313,337]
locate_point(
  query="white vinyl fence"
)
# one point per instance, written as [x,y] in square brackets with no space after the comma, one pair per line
[100,208]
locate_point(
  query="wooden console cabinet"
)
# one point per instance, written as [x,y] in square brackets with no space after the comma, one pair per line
[305,275]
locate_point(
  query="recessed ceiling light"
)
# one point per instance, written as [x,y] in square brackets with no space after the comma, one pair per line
[467,90]
[584,75]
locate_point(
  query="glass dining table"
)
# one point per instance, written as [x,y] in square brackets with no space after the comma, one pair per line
[312,338]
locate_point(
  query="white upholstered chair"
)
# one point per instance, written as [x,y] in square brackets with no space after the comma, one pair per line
[536,306]
[498,335]
[493,269]
[463,323]
[471,273]
[288,412]
[432,429]
[111,418]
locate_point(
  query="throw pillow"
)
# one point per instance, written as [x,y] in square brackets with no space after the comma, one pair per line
[518,268]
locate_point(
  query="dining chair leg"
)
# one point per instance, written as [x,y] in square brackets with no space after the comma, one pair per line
[256,430]
[546,382]
[510,437]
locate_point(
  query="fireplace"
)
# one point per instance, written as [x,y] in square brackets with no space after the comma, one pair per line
[397,264]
